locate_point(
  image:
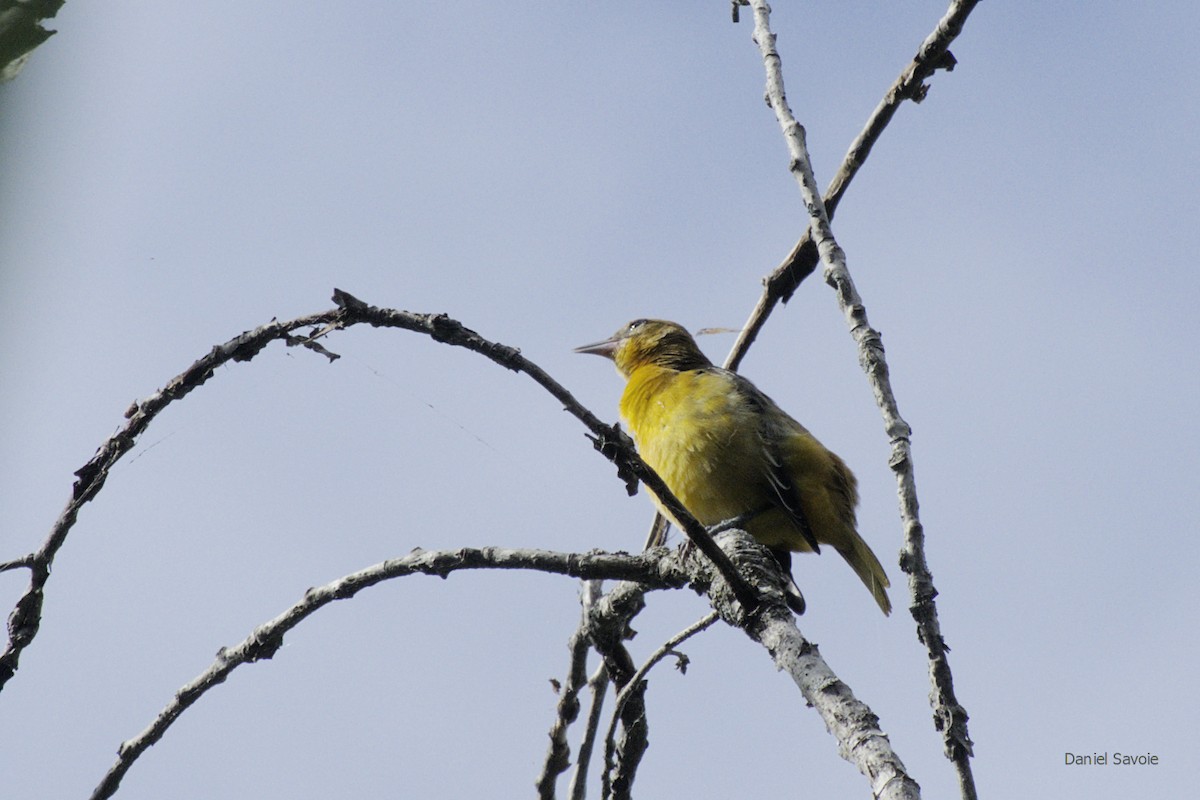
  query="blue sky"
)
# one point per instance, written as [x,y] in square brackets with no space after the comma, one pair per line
[1025,240]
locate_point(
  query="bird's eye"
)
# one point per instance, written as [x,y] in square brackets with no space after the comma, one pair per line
[637,323]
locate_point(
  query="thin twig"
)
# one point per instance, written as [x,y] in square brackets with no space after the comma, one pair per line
[932,55]
[598,684]
[24,562]
[558,757]
[266,639]
[608,628]
[662,652]
[950,717]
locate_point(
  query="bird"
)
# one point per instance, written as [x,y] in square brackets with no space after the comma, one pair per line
[726,451]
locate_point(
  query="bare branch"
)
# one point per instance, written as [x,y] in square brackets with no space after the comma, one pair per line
[611,441]
[598,684]
[608,625]
[636,680]
[852,723]
[933,54]
[25,618]
[558,757]
[649,570]
[608,628]
[24,562]
[949,717]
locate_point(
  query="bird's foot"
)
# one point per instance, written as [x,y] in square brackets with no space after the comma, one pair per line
[735,522]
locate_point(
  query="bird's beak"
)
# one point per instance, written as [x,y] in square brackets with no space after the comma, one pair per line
[606,348]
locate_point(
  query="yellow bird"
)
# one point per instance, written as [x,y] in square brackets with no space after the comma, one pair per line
[725,449]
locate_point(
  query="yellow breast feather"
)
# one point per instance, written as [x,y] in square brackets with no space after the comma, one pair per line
[726,449]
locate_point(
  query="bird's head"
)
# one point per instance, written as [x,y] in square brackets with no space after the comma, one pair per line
[649,342]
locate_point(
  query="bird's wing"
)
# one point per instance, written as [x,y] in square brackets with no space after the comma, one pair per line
[771,433]
[843,485]
[785,492]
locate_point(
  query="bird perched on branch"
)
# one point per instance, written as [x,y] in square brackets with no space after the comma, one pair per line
[726,450]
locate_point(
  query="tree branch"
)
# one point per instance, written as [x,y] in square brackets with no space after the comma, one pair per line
[25,618]
[558,757]
[608,629]
[932,55]
[608,625]
[852,723]
[658,570]
[636,683]
[24,562]
[611,441]
[599,686]
[949,717]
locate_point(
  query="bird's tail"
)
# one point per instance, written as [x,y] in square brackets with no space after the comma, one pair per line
[859,556]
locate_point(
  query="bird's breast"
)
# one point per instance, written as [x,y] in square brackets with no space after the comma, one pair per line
[698,433]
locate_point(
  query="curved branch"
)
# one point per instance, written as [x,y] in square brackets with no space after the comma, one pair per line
[950,717]
[741,599]
[932,55]
[653,570]
[25,618]
[635,684]
[610,440]
[656,568]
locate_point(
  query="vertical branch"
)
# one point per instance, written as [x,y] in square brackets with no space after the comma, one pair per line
[599,686]
[949,717]
[558,757]
[933,54]
[608,629]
